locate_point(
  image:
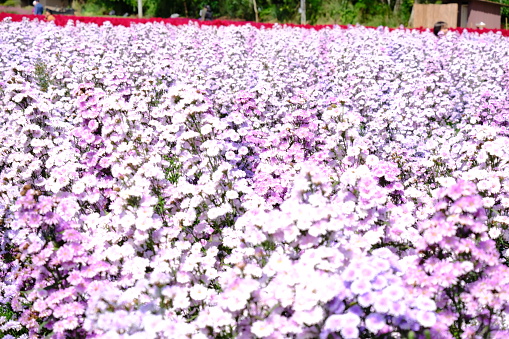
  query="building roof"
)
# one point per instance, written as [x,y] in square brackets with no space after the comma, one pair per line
[465,1]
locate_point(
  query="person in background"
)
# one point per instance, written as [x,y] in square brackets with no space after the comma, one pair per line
[48,15]
[38,8]
[440,28]
[208,13]
[203,11]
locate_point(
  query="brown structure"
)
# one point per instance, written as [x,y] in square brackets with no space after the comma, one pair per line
[425,15]
[458,13]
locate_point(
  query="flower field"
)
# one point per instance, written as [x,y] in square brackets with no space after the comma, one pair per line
[186,181]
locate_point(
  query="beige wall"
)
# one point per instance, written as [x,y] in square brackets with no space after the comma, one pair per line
[425,15]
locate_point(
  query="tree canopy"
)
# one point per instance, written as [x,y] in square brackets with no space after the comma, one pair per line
[366,12]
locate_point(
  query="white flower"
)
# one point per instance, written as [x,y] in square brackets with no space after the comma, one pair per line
[199,292]
[230,155]
[232,195]
[243,150]
[494,232]
[262,329]
[206,129]
[426,319]
[78,187]
[213,151]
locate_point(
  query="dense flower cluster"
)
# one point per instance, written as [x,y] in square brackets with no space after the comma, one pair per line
[191,181]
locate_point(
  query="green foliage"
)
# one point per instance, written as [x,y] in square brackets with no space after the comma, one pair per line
[337,12]
[313,8]
[269,246]
[42,75]
[11,3]
[366,12]
[133,201]
[505,14]
[286,10]
[7,312]
[103,7]
[150,7]
[93,8]
[172,172]
[237,9]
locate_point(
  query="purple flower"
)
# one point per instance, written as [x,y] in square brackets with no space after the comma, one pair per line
[382,303]
[334,322]
[336,305]
[375,322]
[366,299]
[350,331]
[360,286]
[424,303]
[379,282]
[397,308]
[394,292]
[367,273]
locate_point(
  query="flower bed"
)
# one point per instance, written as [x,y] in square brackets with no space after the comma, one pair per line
[166,181]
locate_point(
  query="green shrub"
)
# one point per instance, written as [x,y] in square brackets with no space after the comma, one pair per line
[93,9]
[42,75]
[241,9]
[11,3]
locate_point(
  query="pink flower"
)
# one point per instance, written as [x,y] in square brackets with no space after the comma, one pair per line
[69,309]
[433,235]
[75,278]
[93,124]
[70,323]
[67,208]
[72,235]
[45,204]
[39,305]
[470,203]
[65,253]
[59,327]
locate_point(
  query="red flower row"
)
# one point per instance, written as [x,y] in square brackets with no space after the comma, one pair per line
[61,20]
